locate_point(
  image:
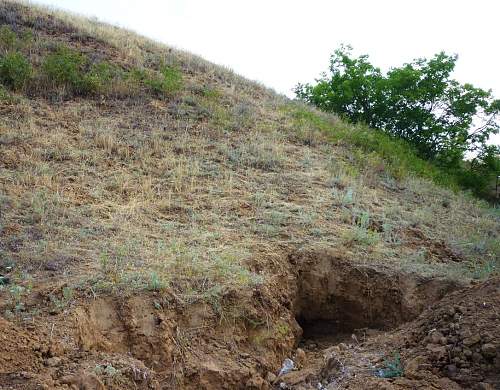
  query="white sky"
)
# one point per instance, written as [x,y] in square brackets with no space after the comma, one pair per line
[282,42]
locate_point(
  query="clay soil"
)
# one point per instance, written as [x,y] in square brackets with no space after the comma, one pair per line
[341,323]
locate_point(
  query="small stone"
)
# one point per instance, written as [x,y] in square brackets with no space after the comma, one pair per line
[254,382]
[270,377]
[413,367]
[300,356]
[51,266]
[438,352]
[436,337]
[331,351]
[476,357]
[472,340]
[489,350]
[451,368]
[467,352]
[343,347]
[83,381]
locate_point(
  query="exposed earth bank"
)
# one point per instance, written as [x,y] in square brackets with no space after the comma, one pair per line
[343,325]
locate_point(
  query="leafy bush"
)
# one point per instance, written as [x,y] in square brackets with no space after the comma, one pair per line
[418,102]
[72,74]
[10,41]
[15,70]
[65,69]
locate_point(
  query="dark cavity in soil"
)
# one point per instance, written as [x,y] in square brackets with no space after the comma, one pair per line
[336,298]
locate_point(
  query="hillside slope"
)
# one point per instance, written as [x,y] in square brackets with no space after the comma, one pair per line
[165,223]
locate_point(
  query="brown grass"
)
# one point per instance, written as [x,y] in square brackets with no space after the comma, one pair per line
[197,194]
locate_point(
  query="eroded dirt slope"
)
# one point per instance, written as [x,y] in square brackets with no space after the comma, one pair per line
[154,341]
[453,344]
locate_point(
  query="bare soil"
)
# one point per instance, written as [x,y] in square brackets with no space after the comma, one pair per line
[339,322]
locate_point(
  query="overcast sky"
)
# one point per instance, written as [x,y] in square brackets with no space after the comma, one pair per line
[283,42]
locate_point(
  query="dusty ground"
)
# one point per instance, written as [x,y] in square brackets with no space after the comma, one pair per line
[198,241]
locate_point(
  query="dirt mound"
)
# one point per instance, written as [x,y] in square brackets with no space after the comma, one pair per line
[22,353]
[18,348]
[459,337]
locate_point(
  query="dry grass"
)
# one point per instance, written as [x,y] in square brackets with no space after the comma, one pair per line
[197,194]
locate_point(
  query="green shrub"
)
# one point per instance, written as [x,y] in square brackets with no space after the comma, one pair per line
[101,77]
[64,68]
[8,39]
[172,80]
[440,119]
[15,70]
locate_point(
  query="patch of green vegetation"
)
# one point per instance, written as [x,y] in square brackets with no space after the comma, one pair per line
[167,81]
[64,66]
[400,156]
[210,93]
[5,96]
[15,70]
[71,73]
[192,273]
[486,269]
[156,282]
[393,368]
[345,197]
[59,304]
[414,103]
[16,296]
[8,38]
[362,233]
[101,76]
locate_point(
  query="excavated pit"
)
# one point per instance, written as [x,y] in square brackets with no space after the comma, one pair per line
[336,298]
